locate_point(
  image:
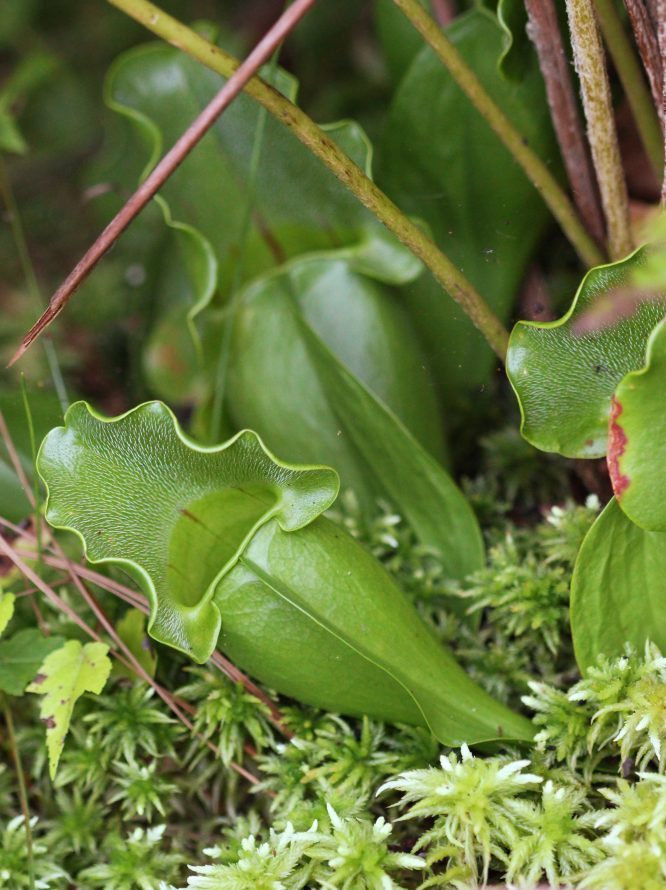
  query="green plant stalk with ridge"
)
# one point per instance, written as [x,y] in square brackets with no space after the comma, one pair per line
[533,167]
[321,145]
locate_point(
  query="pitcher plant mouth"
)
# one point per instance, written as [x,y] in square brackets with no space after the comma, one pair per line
[174,514]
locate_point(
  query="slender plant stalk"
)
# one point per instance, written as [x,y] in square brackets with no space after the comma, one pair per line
[533,167]
[661,39]
[21,244]
[166,167]
[444,271]
[645,33]
[323,147]
[544,31]
[631,77]
[598,107]
[33,453]
[22,788]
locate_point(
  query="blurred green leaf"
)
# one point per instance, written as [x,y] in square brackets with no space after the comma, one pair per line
[297,204]
[46,413]
[132,631]
[21,656]
[274,385]
[7,601]
[517,55]
[440,161]
[617,593]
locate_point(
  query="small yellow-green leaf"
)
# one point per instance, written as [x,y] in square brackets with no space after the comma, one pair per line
[62,679]
[6,609]
[133,632]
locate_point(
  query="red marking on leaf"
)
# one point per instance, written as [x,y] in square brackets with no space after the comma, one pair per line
[49,721]
[617,444]
[39,679]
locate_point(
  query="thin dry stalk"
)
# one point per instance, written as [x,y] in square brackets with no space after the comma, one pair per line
[598,106]
[166,167]
[544,32]
[645,32]
[661,38]
[135,598]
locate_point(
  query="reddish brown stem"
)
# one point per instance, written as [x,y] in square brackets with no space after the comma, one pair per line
[166,167]
[644,27]
[544,32]
[444,11]
[661,40]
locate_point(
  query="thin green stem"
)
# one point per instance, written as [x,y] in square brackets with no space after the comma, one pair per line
[23,252]
[635,88]
[22,788]
[598,106]
[321,145]
[536,171]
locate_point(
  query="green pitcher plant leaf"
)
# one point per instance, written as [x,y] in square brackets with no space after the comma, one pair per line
[564,380]
[273,379]
[245,220]
[399,467]
[441,162]
[618,591]
[309,343]
[517,54]
[297,204]
[229,545]
[344,637]
[637,441]
[138,492]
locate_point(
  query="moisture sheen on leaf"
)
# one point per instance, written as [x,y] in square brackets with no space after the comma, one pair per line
[637,443]
[62,679]
[314,615]
[564,381]
[139,493]
[618,592]
[440,161]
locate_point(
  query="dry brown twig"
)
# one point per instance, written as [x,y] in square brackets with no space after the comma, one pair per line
[58,559]
[166,167]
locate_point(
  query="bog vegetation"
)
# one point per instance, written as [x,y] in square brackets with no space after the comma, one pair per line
[332,499]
